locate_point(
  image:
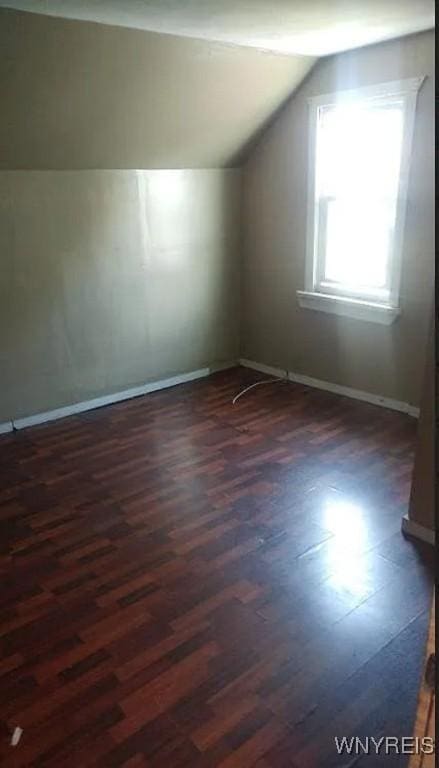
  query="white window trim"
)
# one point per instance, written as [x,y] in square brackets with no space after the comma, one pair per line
[360,308]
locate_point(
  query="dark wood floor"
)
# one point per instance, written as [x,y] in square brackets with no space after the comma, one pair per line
[189,583]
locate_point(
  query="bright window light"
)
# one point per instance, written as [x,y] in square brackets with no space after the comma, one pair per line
[358,161]
[359,156]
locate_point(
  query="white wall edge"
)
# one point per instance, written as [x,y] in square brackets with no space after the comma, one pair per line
[411,528]
[116,397]
[338,389]
[5,427]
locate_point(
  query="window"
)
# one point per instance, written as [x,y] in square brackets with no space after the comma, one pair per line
[358,168]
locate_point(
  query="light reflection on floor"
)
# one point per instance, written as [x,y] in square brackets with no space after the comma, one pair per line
[350,528]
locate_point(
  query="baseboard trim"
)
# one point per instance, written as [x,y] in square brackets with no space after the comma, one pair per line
[356,394]
[128,394]
[262,368]
[116,397]
[338,389]
[415,530]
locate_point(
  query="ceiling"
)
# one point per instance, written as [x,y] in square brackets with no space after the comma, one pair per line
[301,27]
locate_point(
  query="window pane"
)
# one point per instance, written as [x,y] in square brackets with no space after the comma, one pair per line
[357,177]
[358,237]
[359,150]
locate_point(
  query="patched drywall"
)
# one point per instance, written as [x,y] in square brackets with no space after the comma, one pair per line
[110,279]
[383,360]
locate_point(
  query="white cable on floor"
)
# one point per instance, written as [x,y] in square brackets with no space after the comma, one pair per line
[256,383]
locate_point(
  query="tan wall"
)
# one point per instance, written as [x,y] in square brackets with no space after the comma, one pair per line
[111,278]
[82,95]
[385,360]
[422,500]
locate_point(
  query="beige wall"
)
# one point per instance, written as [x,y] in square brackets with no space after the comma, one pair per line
[82,95]
[385,360]
[109,279]
[422,507]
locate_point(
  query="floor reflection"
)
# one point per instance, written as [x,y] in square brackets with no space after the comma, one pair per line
[348,523]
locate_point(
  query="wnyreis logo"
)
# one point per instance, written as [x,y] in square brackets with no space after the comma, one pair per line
[385,745]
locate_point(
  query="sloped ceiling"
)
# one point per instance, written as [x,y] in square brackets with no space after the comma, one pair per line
[307,27]
[191,93]
[84,95]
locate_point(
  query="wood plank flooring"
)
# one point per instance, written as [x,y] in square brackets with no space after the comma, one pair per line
[189,583]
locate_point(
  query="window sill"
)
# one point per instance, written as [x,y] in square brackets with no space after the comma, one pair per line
[355,308]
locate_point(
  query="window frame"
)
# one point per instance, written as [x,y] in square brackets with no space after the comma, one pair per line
[378,306]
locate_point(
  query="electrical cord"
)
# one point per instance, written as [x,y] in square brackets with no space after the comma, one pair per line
[257,383]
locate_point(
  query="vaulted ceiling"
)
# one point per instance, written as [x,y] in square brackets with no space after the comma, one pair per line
[166,83]
[83,95]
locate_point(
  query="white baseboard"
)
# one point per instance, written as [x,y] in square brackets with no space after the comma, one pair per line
[411,528]
[356,394]
[338,389]
[116,397]
[262,368]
